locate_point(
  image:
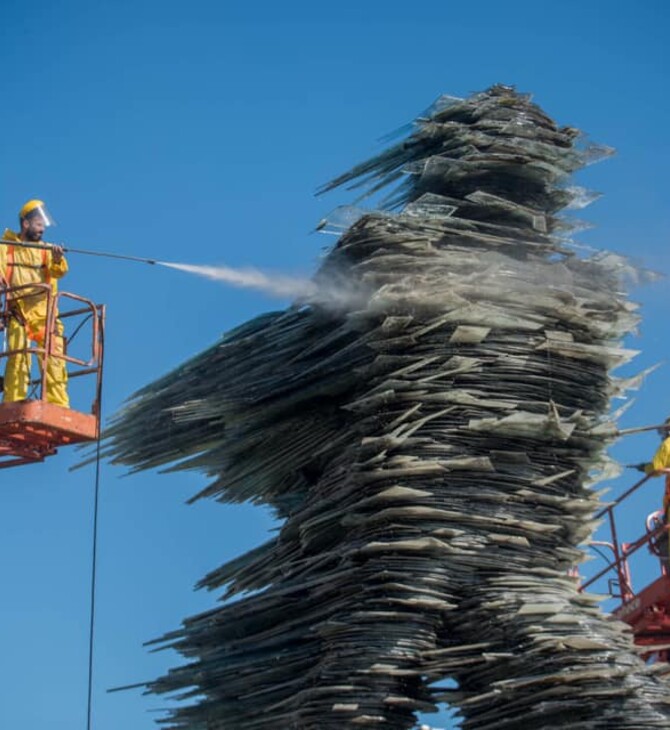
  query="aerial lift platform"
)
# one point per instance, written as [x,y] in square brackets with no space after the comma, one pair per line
[647,611]
[32,429]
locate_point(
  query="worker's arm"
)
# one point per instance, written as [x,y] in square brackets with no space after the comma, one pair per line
[3,253]
[58,264]
[660,464]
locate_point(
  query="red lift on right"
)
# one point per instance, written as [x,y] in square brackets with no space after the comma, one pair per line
[647,611]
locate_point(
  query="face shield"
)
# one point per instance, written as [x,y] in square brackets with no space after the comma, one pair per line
[37,210]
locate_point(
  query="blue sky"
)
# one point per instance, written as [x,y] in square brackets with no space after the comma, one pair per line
[198,132]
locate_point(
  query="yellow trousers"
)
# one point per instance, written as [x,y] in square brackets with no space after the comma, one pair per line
[17,372]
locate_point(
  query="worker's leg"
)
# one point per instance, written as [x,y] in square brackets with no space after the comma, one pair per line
[17,372]
[57,370]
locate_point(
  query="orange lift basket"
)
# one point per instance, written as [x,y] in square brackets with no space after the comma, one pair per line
[647,611]
[33,429]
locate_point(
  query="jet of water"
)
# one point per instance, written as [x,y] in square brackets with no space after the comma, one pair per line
[275,284]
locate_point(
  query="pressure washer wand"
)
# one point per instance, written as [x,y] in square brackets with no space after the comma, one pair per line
[68,249]
[642,429]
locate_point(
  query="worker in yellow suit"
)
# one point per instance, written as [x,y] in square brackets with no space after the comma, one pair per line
[19,266]
[659,465]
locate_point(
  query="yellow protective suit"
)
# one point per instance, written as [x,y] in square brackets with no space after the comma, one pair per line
[32,266]
[660,461]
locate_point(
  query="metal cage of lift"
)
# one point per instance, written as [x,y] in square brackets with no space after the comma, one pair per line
[33,429]
[647,611]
